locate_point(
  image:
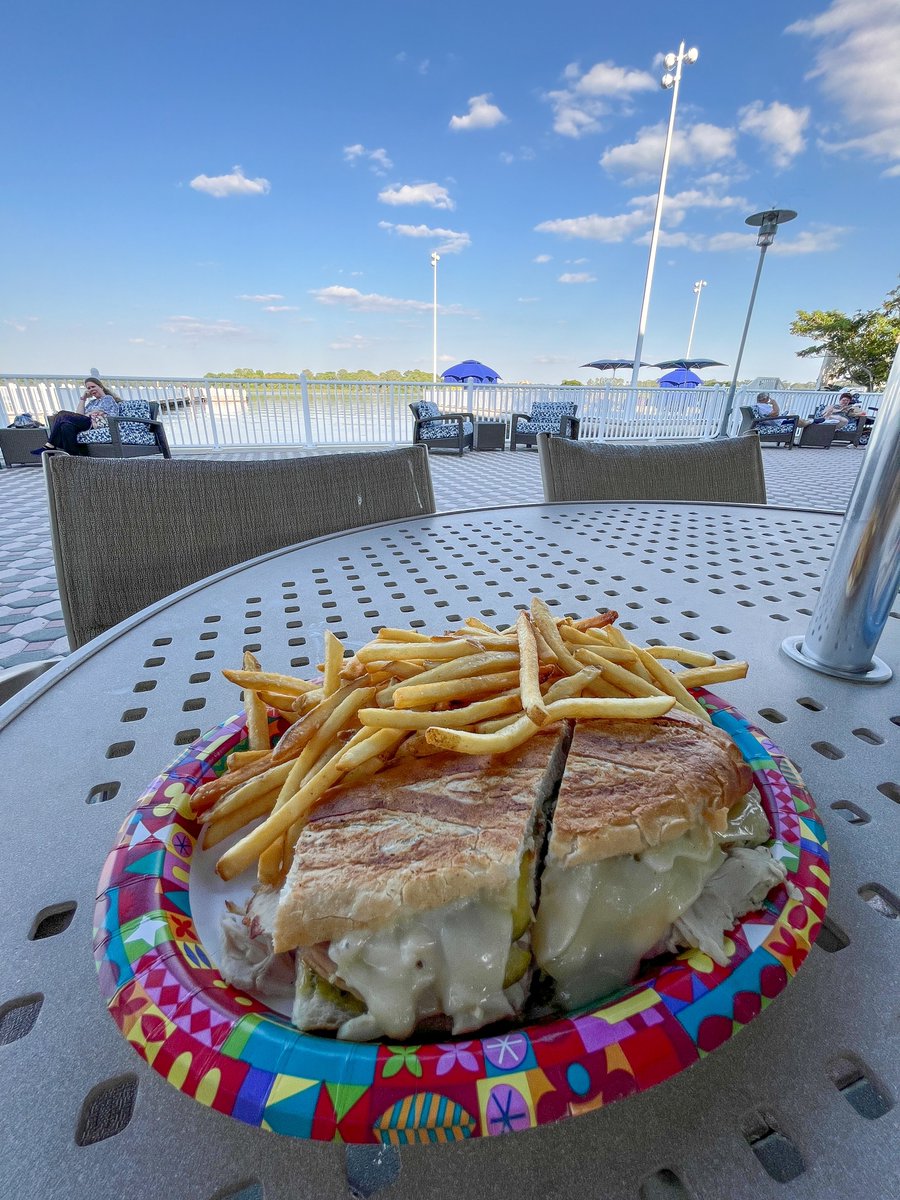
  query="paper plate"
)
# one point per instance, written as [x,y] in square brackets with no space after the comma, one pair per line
[233,1053]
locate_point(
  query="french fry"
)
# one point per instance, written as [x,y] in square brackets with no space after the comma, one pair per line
[257,717]
[681,654]
[529,684]
[451,718]
[217,831]
[475,623]
[669,683]
[334,657]
[701,676]
[239,758]
[520,731]
[414,695]
[270,681]
[597,622]
[575,637]
[400,651]
[401,635]
[622,678]
[546,623]
[238,798]
[245,852]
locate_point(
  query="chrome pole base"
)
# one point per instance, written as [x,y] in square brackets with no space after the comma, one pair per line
[878,672]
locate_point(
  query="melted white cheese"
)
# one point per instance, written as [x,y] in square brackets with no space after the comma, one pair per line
[598,920]
[448,960]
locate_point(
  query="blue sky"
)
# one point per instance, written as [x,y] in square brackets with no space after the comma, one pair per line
[200,186]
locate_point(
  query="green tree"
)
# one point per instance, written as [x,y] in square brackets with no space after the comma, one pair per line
[860,347]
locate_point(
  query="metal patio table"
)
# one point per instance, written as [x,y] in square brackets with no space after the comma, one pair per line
[808,1090]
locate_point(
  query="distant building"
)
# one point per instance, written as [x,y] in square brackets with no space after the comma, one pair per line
[766,383]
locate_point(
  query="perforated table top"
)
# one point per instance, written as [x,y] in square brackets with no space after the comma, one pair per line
[801,1104]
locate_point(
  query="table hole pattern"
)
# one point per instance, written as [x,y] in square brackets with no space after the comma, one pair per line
[663,1185]
[831,937]
[891,790]
[107,1110]
[119,749]
[193,704]
[134,714]
[808,702]
[17,1017]
[865,1096]
[773,715]
[883,901]
[199,677]
[369,1169]
[204,654]
[184,737]
[163,641]
[869,736]
[52,920]
[145,685]
[777,1154]
[101,792]
[852,813]
[827,750]
[157,661]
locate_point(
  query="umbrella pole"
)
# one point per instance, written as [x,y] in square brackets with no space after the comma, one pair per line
[729,403]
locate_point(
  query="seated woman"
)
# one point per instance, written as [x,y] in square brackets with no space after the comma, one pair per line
[845,413]
[95,405]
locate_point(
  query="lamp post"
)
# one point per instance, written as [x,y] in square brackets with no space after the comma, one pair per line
[673,81]
[768,223]
[435,259]
[698,288]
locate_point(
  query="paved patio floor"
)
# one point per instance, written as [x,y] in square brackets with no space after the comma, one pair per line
[31,624]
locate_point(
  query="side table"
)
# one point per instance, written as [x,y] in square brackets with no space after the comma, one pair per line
[820,436]
[490,435]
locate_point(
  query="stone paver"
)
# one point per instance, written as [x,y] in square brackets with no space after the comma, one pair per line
[31,625]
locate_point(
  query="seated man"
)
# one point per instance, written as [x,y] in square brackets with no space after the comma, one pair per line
[769,421]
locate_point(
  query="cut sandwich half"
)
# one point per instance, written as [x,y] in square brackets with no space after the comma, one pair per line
[647,815]
[411,897]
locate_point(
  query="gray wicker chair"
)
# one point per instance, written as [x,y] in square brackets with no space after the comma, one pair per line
[141,424]
[726,471]
[16,446]
[159,526]
[779,430]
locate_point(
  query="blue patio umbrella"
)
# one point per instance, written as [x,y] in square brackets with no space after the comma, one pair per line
[680,378]
[470,371]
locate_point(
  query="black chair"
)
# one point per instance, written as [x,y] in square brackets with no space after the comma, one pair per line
[16,446]
[779,430]
[135,433]
[556,417]
[442,431]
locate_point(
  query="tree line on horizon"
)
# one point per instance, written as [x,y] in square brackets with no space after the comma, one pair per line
[858,349]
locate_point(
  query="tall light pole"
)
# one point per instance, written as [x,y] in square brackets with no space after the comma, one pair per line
[673,81]
[435,259]
[698,288]
[768,223]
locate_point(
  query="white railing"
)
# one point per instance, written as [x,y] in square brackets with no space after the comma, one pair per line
[258,413]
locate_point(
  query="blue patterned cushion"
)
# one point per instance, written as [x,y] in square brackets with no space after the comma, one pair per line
[545,416]
[131,432]
[775,425]
[442,429]
[426,408]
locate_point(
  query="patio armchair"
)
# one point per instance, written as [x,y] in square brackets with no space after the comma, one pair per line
[136,432]
[16,446]
[160,526]
[557,417]
[779,430]
[724,471]
[435,430]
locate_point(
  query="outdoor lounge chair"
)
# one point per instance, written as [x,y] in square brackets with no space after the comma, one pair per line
[727,470]
[779,430]
[162,525]
[441,431]
[547,416]
[16,446]
[135,433]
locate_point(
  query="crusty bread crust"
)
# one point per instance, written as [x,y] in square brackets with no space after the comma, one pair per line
[632,785]
[419,835]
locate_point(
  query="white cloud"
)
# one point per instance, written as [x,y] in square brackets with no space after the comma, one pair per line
[378,159]
[541,258]
[577,277]
[450,241]
[524,154]
[619,227]
[235,184]
[578,108]
[281,308]
[481,115]
[269,298]
[356,341]
[809,241]
[856,64]
[195,329]
[417,193]
[372,302]
[527,299]
[779,127]
[13,323]
[692,145]
[139,342]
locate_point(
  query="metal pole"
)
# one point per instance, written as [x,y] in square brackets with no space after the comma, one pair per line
[861,581]
[435,259]
[698,288]
[729,402]
[654,236]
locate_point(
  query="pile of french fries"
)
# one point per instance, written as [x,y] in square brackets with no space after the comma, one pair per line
[474,690]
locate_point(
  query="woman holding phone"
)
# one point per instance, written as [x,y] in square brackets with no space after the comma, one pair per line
[96,404]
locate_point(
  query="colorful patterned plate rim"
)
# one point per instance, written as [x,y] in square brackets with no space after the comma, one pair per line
[231,1052]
